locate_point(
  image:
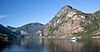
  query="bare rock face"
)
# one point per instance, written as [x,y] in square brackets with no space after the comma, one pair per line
[23,32]
[67,21]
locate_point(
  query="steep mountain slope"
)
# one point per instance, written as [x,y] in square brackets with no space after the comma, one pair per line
[30,28]
[6,31]
[12,28]
[69,22]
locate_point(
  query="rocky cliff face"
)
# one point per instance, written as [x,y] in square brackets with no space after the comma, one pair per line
[69,21]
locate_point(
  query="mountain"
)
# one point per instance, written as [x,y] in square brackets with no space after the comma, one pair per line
[6,32]
[12,28]
[30,29]
[72,22]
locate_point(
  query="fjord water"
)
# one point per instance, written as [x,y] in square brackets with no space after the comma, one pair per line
[53,45]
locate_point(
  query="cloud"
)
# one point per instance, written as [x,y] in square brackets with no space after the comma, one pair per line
[3,16]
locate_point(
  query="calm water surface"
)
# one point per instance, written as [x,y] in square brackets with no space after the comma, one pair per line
[53,45]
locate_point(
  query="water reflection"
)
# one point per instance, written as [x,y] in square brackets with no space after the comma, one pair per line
[64,46]
[54,45]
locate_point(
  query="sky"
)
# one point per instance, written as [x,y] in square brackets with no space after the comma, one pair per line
[20,12]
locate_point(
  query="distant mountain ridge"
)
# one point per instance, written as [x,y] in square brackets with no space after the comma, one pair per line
[28,29]
[12,28]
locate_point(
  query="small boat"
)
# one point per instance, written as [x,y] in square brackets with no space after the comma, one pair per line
[74,38]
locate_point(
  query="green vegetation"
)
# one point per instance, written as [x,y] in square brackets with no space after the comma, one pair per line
[78,12]
[97,14]
[3,37]
[91,27]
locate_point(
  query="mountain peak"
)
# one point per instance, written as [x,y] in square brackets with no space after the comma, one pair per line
[64,10]
[36,23]
[67,6]
[70,20]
